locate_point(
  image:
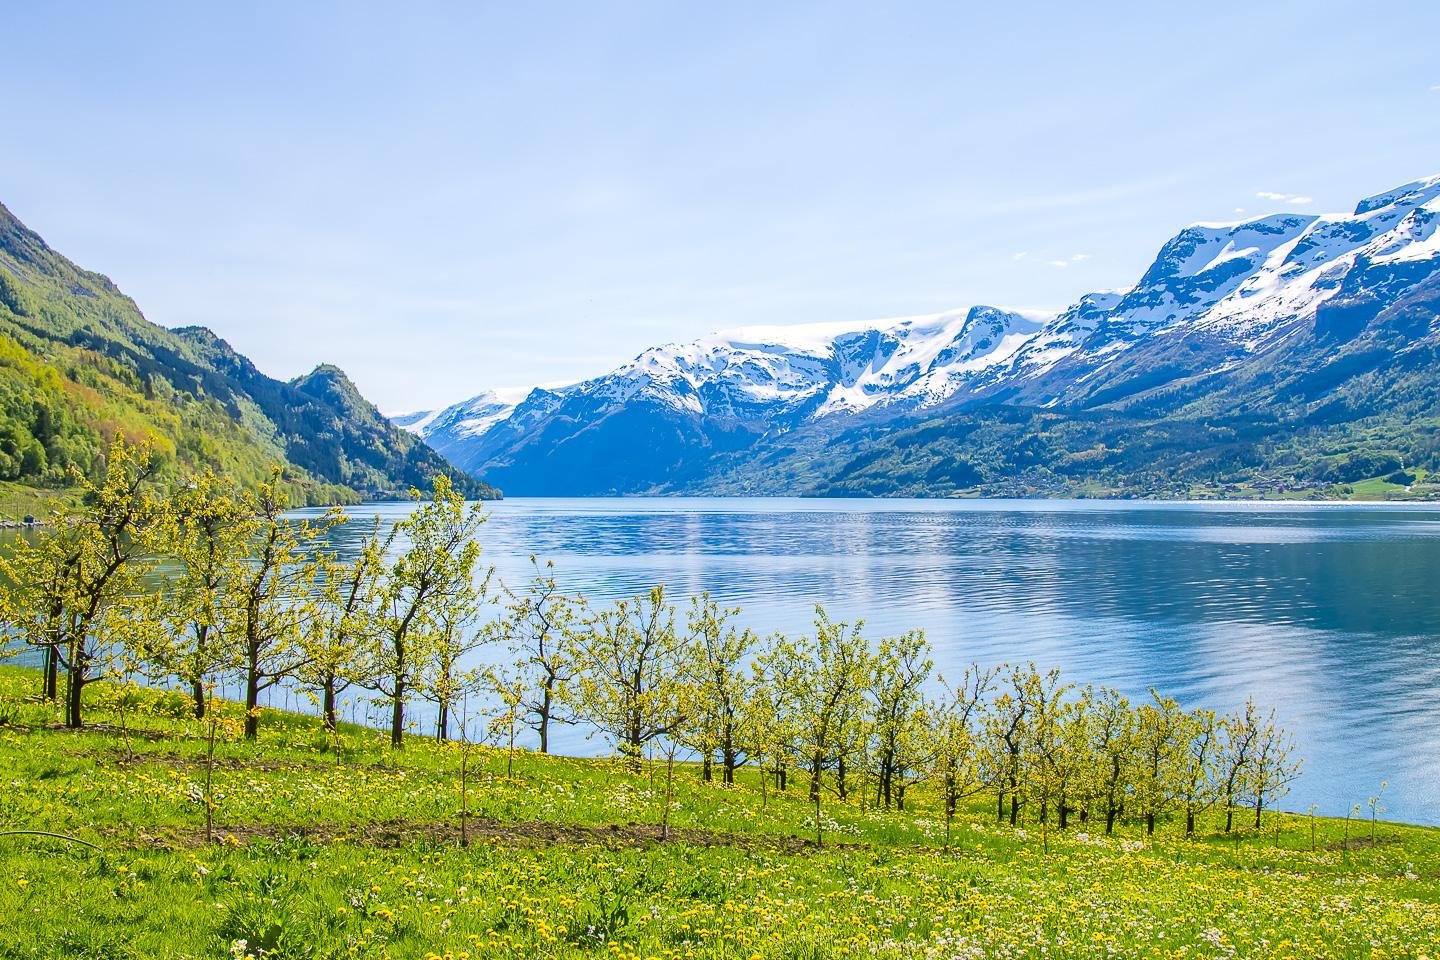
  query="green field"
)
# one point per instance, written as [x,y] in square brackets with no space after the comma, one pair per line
[341,847]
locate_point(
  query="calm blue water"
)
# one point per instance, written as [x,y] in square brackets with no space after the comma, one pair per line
[1330,613]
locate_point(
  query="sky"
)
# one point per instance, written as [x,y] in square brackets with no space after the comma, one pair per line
[446,198]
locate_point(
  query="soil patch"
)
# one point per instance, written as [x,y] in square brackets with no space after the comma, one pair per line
[1364,843]
[404,833]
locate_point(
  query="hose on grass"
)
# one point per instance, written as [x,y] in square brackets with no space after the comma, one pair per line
[46,833]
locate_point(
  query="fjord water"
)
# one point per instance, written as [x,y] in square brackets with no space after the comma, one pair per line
[1330,613]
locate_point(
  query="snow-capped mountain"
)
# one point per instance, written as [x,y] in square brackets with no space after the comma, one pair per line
[809,371]
[754,380]
[470,418]
[1231,292]
[1217,300]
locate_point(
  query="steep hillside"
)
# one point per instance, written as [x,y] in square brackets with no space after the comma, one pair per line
[1287,353]
[80,363]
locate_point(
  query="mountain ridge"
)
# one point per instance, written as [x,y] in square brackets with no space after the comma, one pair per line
[1217,327]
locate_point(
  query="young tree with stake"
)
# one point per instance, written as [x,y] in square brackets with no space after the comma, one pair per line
[1273,767]
[208,535]
[342,631]
[628,666]
[1239,736]
[508,685]
[71,587]
[450,639]
[273,596]
[539,627]
[953,727]
[1160,742]
[1006,737]
[1111,729]
[1198,764]
[718,667]
[764,719]
[434,571]
[1054,759]
[826,694]
[901,668]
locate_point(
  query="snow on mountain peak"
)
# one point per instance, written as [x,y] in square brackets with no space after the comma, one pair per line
[1415,193]
[837,367]
[469,418]
[1232,287]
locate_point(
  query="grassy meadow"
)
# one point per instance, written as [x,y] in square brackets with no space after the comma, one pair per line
[339,846]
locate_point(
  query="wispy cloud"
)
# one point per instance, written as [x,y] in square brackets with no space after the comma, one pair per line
[1096,197]
[1284,197]
[1021,255]
[1079,257]
[1061,264]
[1435,88]
[1239,209]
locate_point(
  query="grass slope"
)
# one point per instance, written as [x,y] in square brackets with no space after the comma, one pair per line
[343,848]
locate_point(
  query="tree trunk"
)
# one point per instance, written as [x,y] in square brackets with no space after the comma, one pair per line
[1000,807]
[252,704]
[1189,823]
[900,798]
[634,751]
[544,727]
[397,715]
[1149,824]
[1259,805]
[1229,817]
[707,773]
[1014,808]
[730,758]
[197,693]
[74,684]
[328,706]
[52,673]
[442,723]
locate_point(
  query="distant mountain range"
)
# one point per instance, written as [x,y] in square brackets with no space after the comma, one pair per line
[79,364]
[1287,353]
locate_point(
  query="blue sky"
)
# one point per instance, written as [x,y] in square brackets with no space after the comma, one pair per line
[464,196]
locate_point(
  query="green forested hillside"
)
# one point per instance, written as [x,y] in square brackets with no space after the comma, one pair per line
[79,363]
[1010,451]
